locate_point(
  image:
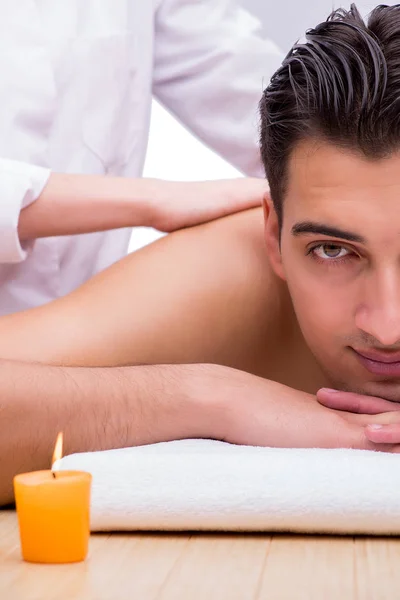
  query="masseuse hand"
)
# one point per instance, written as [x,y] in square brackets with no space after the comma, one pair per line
[178,205]
[385,425]
[73,204]
[259,412]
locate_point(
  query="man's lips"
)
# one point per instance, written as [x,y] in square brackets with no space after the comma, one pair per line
[380,355]
[380,363]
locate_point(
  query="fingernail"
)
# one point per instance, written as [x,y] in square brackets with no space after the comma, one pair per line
[375,427]
[329,390]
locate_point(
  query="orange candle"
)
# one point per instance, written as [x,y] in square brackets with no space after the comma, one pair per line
[53,515]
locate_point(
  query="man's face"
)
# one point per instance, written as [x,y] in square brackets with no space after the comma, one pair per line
[340,256]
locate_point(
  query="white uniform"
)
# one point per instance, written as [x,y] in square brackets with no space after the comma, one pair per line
[76,83]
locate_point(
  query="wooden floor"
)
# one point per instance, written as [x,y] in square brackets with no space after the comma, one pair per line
[207,566]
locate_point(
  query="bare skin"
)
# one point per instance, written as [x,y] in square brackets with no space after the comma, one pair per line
[207,295]
[72,204]
[292,308]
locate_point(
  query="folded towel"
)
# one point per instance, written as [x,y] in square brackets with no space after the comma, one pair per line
[210,485]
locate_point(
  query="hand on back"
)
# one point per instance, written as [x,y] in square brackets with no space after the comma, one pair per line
[176,205]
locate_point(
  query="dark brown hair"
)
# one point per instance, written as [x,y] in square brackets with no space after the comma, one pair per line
[341,85]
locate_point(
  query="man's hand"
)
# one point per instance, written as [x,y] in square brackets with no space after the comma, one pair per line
[259,412]
[384,426]
[178,205]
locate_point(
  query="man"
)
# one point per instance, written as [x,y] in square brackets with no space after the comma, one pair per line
[77,83]
[316,307]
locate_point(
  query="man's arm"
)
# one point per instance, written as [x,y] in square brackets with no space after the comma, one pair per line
[103,408]
[97,409]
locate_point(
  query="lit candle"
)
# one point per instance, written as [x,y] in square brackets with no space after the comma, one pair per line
[53,513]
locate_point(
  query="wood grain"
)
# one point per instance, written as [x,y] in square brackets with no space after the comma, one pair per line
[158,566]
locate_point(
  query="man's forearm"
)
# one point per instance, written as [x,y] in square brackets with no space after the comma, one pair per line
[73,204]
[97,409]
[103,408]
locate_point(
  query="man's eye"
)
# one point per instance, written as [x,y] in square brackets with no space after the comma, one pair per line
[330,251]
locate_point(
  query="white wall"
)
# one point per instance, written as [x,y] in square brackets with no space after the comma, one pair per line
[286,20]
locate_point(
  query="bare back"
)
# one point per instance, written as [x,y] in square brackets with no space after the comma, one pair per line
[205,294]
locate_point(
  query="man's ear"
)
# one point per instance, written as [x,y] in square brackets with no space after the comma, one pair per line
[272,236]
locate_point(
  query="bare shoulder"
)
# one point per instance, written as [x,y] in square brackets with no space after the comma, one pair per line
[205,294]
[231,244]
[247,228]
[227,303]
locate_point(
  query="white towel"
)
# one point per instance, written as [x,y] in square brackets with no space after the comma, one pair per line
[210,485]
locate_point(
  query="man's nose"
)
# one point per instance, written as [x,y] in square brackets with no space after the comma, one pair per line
[378,313]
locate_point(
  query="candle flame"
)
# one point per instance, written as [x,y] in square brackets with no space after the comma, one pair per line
[57,449]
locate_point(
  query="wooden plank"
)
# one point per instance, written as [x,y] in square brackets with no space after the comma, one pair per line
[218,566]
[130,566]
[377,568]
[309,568]
[207,566]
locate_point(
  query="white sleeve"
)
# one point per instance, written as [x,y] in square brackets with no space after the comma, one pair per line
[211,66]
[20,184]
